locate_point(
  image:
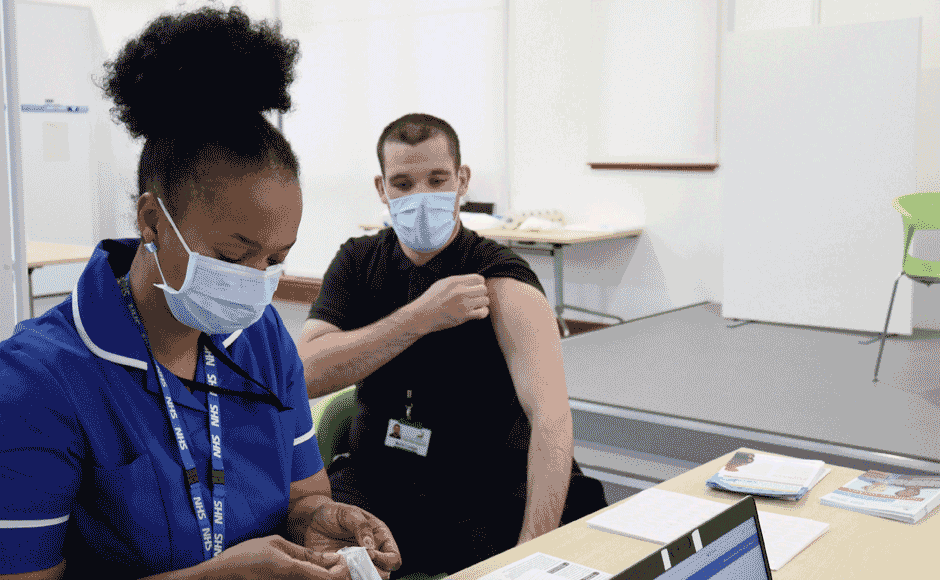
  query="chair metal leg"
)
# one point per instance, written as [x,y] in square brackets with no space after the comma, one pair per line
[884,334]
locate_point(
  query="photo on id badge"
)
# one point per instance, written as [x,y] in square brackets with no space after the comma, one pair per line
[407,438]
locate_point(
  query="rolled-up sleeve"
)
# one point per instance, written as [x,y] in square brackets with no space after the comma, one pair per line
[40,472]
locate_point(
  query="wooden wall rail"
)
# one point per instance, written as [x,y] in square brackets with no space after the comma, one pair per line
[298,289]
[657,166]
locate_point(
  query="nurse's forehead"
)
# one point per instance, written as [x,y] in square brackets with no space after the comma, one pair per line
[264,209]
[269,190]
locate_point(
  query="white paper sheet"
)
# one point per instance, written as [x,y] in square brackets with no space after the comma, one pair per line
[541,566]
[659,516]
[787,536]
[655,515]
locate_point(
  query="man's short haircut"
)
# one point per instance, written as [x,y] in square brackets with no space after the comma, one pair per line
[416,128]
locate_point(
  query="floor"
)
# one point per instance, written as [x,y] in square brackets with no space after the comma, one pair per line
[806,382]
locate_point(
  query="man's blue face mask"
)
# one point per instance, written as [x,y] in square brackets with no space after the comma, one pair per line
[424,221]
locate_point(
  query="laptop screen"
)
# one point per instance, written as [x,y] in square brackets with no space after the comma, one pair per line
[736,555]
[727,547]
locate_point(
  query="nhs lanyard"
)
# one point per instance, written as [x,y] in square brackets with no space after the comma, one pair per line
[213,533]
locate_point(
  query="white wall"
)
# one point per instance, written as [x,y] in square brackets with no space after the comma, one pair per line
[89,196]
[363,65]
[678,261]
[370,60]
[58,193]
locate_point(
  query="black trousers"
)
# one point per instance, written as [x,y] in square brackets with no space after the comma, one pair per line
[438,531]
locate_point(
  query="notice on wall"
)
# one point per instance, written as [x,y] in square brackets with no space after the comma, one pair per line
[55,141]
[53,108]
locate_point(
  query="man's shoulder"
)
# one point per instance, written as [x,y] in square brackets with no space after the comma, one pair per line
[367,242]
[359,248]
[494,259]
[486,250]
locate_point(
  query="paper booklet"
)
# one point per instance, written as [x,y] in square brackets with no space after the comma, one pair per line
[659,516]
[541,566]
[768,475]
[905,498]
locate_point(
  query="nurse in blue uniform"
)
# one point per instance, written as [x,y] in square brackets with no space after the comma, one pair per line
[156,423]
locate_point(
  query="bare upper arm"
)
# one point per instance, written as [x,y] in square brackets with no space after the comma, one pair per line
[54,573]
[314,329]
[527,333]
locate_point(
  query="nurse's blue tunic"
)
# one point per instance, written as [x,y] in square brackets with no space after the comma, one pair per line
[90,468]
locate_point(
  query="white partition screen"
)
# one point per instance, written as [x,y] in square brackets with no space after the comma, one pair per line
[818,136]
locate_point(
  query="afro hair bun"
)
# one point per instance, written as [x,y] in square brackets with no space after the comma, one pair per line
[199,68]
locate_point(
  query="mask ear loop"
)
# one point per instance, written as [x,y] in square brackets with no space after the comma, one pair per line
[172,223]
[150,247]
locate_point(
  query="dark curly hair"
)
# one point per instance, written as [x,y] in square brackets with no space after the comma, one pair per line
[416,128]
[195,85]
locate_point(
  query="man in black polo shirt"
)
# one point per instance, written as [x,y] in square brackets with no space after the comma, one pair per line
[451,335]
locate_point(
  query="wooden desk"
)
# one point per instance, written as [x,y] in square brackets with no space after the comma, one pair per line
[39,254]
[552,243]
[856,546]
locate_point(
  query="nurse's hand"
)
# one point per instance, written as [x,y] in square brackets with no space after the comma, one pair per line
[275,557]
[337,525]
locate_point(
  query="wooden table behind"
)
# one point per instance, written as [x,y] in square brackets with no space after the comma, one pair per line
[557,236]
[546,237]
[40,254]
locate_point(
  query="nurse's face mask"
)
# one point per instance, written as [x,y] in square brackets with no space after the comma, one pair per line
[217,297]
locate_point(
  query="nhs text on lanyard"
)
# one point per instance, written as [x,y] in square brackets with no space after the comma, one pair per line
[213,532]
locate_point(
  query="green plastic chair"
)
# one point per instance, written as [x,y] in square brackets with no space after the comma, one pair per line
[919,211]
[332,418]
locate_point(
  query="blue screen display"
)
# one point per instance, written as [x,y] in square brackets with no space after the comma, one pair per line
[737,555]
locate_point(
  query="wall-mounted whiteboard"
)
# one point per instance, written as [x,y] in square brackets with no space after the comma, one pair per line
[654,66]
[818,136]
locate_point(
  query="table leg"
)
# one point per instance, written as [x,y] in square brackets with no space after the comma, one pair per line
[557,253]
[29,279]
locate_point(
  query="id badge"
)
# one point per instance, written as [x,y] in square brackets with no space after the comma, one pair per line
[406,437]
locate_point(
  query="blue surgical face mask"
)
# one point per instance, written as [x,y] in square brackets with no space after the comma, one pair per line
[217,297]
[424,221]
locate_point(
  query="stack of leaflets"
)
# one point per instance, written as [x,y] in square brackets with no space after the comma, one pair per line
[905,498]
[768,475]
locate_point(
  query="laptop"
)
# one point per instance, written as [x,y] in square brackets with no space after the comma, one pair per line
[727,547]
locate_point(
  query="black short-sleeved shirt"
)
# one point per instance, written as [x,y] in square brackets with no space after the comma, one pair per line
[459,379]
